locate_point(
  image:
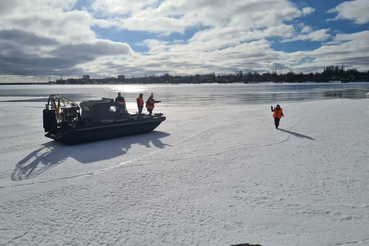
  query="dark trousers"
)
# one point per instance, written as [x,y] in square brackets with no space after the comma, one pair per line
[276,122]
[150,111]
[122,109]
[140,110]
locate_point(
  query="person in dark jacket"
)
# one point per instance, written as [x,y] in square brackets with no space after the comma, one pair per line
[277,115]
[120,99]
[150,103]
[140,103]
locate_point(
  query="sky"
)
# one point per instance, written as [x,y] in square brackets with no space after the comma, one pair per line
[106,38]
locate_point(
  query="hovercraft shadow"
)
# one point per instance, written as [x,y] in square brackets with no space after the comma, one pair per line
[51,154]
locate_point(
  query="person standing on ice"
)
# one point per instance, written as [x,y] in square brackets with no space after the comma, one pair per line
[277,115]
[140,103]
[150,103]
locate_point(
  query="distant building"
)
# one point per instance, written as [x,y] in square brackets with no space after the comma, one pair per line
[85,79]
[121,77]
[73,81]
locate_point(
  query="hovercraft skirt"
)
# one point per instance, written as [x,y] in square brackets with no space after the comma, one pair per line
[102,132]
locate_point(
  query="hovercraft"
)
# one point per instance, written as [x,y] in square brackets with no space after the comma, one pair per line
[66,122]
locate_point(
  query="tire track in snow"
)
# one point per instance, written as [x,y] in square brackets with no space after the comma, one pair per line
[353,242]
[15,238]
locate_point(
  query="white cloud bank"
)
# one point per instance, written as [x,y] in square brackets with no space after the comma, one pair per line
[48,37]
[121,7]
[43,38]
[308,10]
[357,11]
[177,16]
[308,34]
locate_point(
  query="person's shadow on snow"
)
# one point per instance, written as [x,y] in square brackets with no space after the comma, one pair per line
[53,153]
[296,134]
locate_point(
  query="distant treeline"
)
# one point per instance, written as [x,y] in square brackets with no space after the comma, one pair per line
[26,83]
[331,73]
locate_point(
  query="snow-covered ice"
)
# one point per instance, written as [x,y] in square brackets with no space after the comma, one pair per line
[205,176]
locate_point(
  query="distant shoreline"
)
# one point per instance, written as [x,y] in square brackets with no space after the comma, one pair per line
[26,83]
[271,82]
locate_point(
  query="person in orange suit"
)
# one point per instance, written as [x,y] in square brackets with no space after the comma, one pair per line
[140,103]
[277,115]
[150,103]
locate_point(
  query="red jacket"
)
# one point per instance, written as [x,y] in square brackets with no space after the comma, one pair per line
[150,103]
[140,102]
[277,113]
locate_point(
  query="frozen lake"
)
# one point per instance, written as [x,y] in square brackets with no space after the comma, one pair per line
[216,172]
[192,95]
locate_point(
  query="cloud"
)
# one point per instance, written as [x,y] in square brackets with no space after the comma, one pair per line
[306,29]
[30,65]
[50,19]
[172,16]
[25,38]
[51,37]
[240,35]
[88,52]
[107,23]
[349,49]
[356,11]
[319,35]
[254,56]
[228,37]
[149,22]
[64,59]
[46,37]
[121,7]
[17,7]
[358,37]
[186,58]
[308,10]
[278,66]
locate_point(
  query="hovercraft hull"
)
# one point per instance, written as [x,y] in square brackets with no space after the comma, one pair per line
[100,120]
[105,131]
